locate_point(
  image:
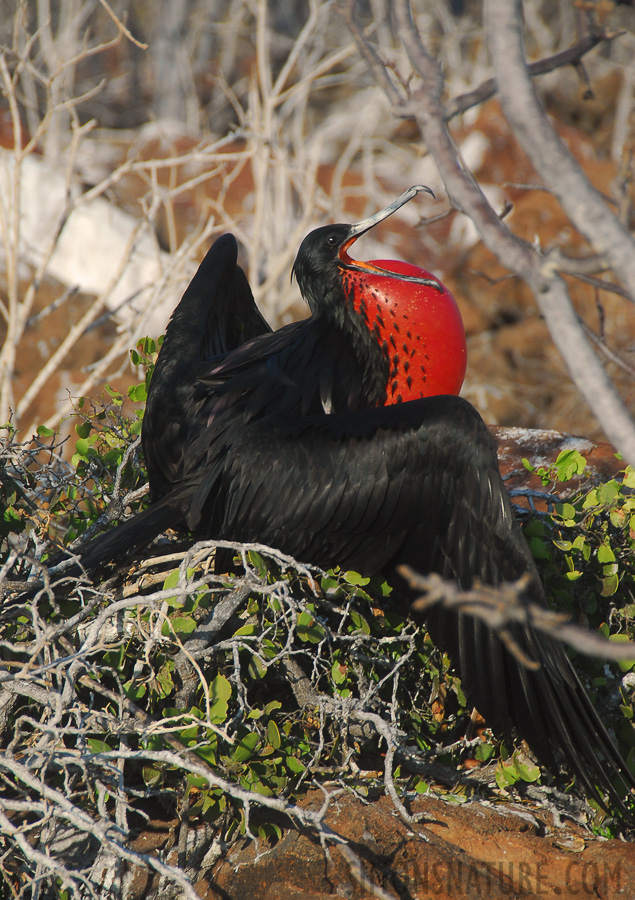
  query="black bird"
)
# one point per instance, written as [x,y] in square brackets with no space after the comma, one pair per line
[297,439]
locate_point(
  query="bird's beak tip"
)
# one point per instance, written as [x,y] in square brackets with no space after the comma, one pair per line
[418,188]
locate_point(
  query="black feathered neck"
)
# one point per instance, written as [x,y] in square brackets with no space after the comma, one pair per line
[319,271]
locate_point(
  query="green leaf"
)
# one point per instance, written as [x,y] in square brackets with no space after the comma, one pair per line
[115,397]
[570,463]
[626,665]
[135,691]
[11,514]
[339,672]
[152,777]
[567,512]
[43,431]
[197,781]
[294,765]
[172,581]
[112,458]
[527,770]
[248,630]
[605,554]
[183,624]
[98,746]
[164,679]
[538,548]
[484,752]
[308,629]
[83,429]
[361,624]
[458,690]
[273,735]
[355,578]
[618,517]
[591,499]
[258,563]
[270,830]
[329,584]
[506,773]
[610,584]
[608,492]
[220,693]
[256,669]
[189,735]
[207,752]
[535,528]
[82,447]
[138,392]
[246,747]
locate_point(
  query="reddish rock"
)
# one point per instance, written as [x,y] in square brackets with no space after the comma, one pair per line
[471,850]
[541,447]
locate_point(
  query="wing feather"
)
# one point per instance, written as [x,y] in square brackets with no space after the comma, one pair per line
[385,490]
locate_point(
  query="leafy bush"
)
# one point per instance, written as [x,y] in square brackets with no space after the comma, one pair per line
[226,697]
[586,552]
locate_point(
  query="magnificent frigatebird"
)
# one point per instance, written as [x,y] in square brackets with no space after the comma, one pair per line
[340,440]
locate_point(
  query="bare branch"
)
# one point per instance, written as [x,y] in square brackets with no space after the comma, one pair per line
[505,605]
[569,57]
[552,160]
[122,28]
[548,288]
[347,9]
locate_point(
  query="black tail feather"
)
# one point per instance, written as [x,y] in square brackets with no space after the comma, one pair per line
[129,536]
[548,706]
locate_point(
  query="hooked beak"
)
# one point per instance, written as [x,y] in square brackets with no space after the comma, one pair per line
[365,225]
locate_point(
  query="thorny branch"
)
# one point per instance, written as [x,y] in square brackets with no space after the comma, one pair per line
[60,666]
[55,688]
[488,88]
[552,160]
[569,57]
[504,605]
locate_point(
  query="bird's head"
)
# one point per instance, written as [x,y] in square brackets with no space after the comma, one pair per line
[324,253]
[412,316]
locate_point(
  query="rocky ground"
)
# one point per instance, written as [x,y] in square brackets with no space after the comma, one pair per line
[449,850]
[456,851]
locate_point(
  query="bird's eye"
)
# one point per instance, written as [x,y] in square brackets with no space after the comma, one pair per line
[332,240]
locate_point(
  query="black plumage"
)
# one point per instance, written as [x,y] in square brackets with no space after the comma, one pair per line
[284,438]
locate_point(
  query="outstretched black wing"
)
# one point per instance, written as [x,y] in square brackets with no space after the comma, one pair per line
[416,483]
[215,316]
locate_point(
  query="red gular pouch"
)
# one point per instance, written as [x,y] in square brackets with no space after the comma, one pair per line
[416,321]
